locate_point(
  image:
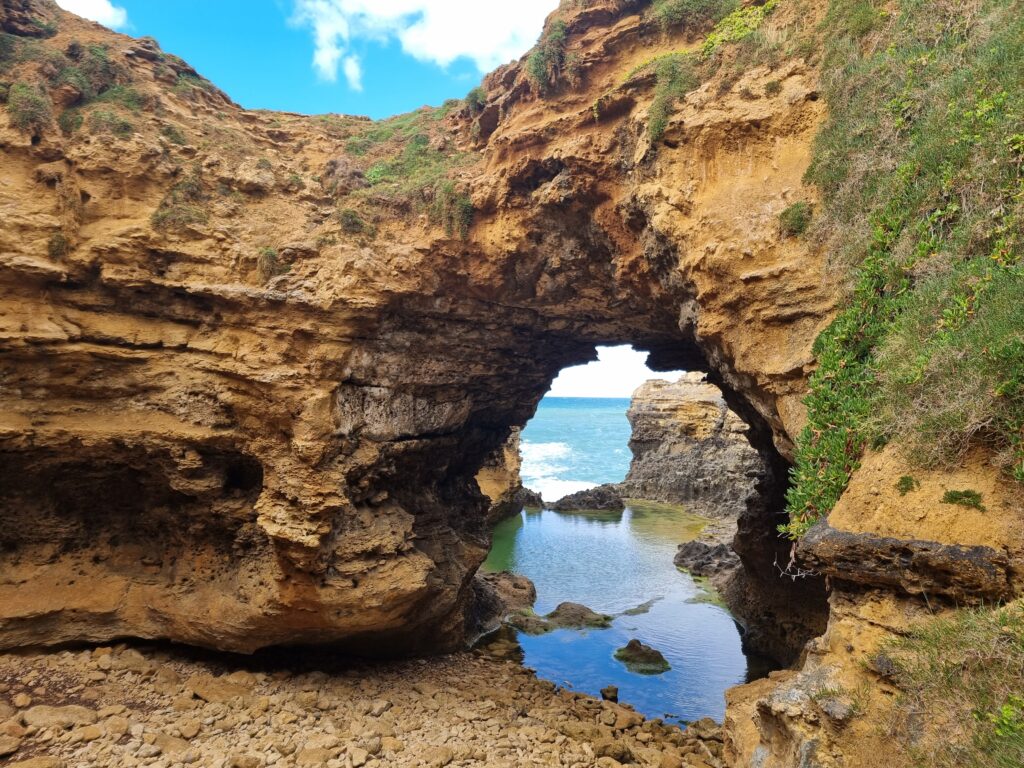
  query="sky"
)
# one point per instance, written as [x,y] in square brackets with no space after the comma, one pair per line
[361,57]
[616,373]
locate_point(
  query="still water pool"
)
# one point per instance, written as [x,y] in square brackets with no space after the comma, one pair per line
[621,563]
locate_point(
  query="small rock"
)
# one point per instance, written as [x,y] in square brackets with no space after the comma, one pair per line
[379,707]
[358,756]
[438,757]
[39,762]
[59,717]
[610,693]
[9,745]
[21,700]
[642,659]
[189,729]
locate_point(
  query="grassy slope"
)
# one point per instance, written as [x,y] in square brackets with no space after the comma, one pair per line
[920,168]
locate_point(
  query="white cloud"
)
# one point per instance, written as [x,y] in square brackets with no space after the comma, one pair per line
[437,31]
[616,373]
[103,11]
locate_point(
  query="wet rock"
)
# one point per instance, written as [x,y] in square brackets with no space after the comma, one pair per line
[529,499]
[603,497]
[704,558]
[642,659]
[610,693]
[576,616]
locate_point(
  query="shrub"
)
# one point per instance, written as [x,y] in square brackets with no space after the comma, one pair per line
[173,134]
[104,121]
[795,219]
[70,121]
[675,76]
[58,246]
[476,99]
[738,25]
[264,165]
[967,498]
[184,204]
[969,666]
[5,89]
[772,88]
[29,107]
[123,95]
[452,210]
[906,484]
[351,221]
[544,64]
[268,265]
[8,46]
[691,13]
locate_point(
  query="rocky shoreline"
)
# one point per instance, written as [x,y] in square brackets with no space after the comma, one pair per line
[168,707]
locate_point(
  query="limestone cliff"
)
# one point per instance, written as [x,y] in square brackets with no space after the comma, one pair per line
[246,391]
[252,363]
[689,448]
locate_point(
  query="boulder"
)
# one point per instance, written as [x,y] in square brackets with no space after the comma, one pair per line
[642,659]
[603,497]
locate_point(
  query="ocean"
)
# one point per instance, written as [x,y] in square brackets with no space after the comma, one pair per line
[619,563]
[574,443]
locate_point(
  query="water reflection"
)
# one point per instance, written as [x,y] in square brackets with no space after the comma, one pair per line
[621,563]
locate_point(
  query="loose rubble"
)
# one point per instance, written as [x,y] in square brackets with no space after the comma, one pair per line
[172,708]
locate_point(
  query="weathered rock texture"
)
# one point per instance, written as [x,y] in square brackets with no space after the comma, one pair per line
[607,496]
[689,448]
[205,441]
[499,480]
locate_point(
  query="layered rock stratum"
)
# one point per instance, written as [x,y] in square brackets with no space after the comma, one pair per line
[251,363]
[690,448]
[246,393]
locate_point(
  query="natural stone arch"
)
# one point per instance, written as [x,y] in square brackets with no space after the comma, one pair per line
[370,381]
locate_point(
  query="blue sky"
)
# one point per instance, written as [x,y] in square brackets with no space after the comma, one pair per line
[365,57]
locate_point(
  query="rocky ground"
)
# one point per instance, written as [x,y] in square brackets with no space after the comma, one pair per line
[169,708]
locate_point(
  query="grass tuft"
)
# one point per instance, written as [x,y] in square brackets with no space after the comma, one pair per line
[546,62]
[965,672]
[967,498]
[795,219]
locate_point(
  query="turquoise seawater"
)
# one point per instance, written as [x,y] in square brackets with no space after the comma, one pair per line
[618,563]
[574,443]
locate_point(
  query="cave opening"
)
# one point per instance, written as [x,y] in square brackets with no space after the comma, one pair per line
[622,466]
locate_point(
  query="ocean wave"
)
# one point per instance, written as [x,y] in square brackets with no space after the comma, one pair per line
[543,467]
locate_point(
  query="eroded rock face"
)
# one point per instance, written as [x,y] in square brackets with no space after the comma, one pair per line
[602,497]
[256,421]
[689,448]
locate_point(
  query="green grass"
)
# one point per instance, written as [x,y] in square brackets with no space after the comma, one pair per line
[919,166]
[351,222]
[964,674]
[107,122]
[173,134]
[966,498]
[29,107]
[58,246]
[268,265]
[795,219]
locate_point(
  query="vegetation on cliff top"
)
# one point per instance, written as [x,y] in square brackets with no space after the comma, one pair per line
[920,169]
[965,670]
